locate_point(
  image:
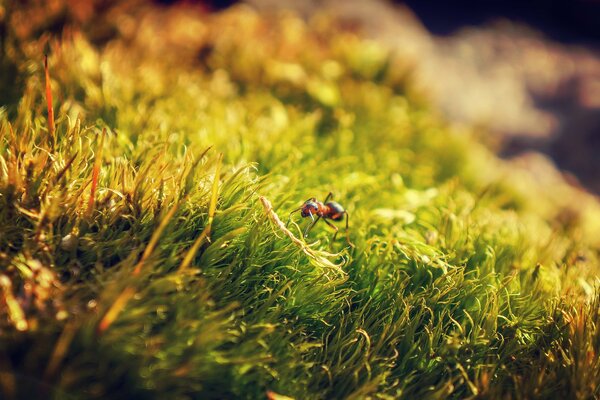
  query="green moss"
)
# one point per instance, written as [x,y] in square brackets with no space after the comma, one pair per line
[468,276]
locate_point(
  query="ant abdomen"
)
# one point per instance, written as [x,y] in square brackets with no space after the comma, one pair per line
[336,210]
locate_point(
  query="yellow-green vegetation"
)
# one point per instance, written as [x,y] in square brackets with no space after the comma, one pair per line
[139,256]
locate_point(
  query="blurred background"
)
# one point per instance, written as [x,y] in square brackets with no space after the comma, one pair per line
[525,74]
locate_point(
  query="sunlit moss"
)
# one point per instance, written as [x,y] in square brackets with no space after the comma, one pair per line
[468,276]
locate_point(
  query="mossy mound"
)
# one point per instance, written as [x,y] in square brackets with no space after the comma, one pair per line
[139,257]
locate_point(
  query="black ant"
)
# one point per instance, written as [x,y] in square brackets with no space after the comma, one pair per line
[326,210]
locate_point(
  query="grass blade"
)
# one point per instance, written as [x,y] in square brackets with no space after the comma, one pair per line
[95,174]
[51,127]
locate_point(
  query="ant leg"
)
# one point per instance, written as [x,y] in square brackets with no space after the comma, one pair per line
[290,217]
[309,227]
[329,196]
[347,232]
[336,230]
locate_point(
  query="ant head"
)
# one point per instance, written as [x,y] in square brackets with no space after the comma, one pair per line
[309,207]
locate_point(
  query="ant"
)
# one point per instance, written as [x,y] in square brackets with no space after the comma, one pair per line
[326,210]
